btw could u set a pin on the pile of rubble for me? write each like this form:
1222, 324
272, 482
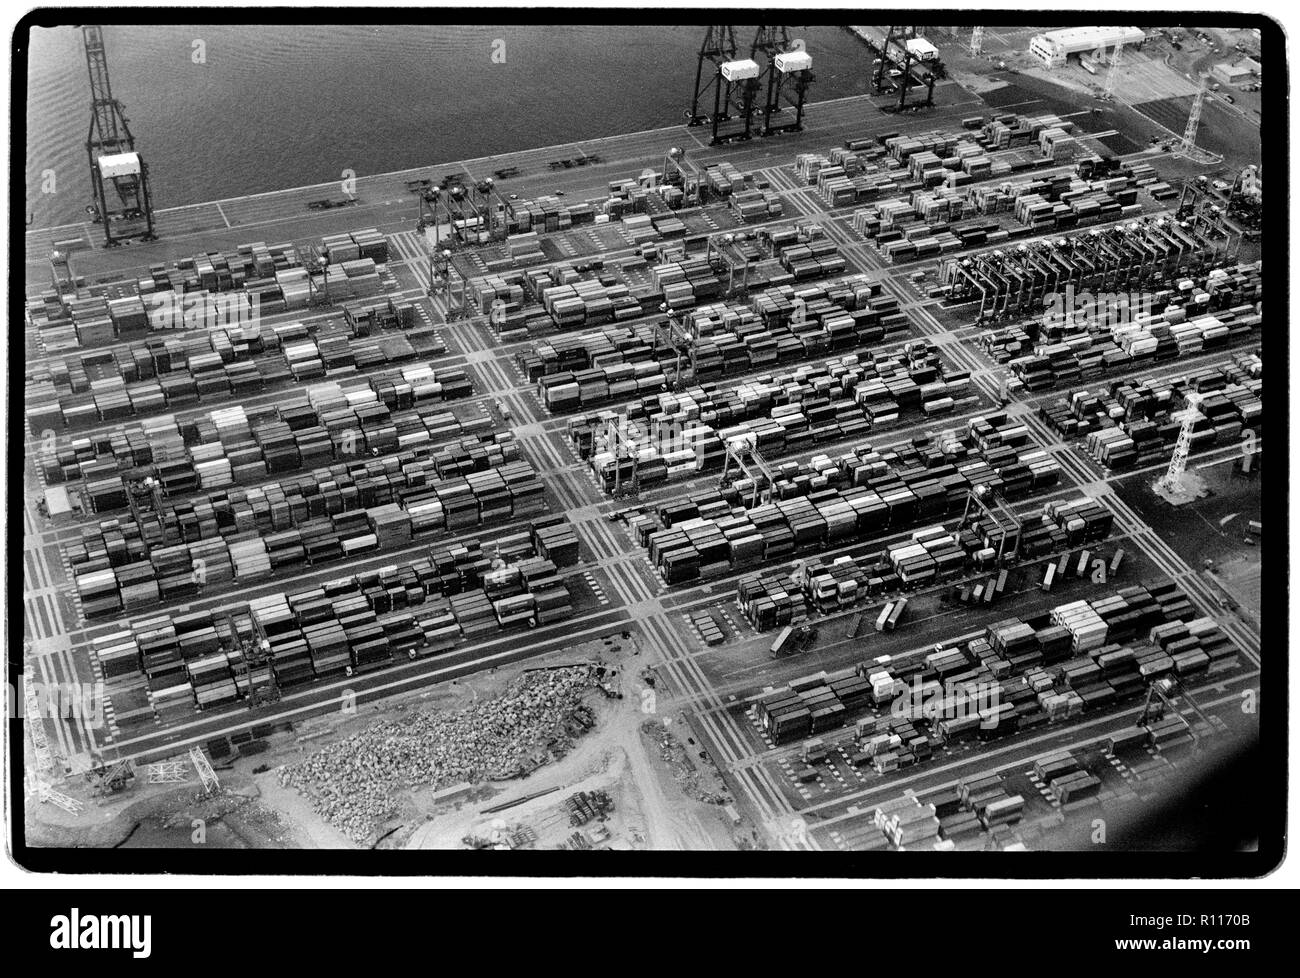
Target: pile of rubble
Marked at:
353, 783
684, 770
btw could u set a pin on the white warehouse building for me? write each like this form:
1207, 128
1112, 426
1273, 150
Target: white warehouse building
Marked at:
1054, 47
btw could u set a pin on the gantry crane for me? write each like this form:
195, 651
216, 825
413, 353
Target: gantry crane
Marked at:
447, 282
912, 70
621, 442
739, 84
116, 169
1204, 212
726, 258
1160, 697
464, 211
678, 173
672, 333
882, 65
718, 48
743, 455
787, 66
1008, 522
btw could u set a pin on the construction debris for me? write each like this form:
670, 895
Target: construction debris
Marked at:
684, 769
353, 783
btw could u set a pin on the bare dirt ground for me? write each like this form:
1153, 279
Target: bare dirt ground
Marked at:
654, 807
657, 794
173, 816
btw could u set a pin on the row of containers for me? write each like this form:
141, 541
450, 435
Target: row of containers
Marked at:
844, 177
625, 201
930, 556
1020, 673
643, 229
335, 420
366, 245
864, 170
624, 197
206, 380
776, 326
334, 354
52, 401
1123, 319
1058, 364
159, 374
957, 178
961, 817
980, 811
1117, 336
165, 667
755, 205
290, 289
167, 495
94, 317
680, 435
626, 209
585, 296
228, 342
806, 253
827, 501
184, 549
931, 223
1138, 422
564, 295
897, 742
1065, 778
1024, 198
350, 280
272, 278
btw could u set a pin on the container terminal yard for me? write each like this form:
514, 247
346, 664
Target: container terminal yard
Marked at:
859, 475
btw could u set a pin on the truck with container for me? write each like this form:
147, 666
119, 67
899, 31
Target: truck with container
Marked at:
792, 639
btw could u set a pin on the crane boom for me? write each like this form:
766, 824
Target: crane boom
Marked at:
1113, 73
110, 147
1194, 118
105, 109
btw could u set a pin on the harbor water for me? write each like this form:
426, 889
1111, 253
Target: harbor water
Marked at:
221, 111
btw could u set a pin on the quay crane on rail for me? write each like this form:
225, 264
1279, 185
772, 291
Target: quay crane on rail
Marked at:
116, 169
909, 60
778, 68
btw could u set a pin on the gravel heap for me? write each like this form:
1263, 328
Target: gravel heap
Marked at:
352, 783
